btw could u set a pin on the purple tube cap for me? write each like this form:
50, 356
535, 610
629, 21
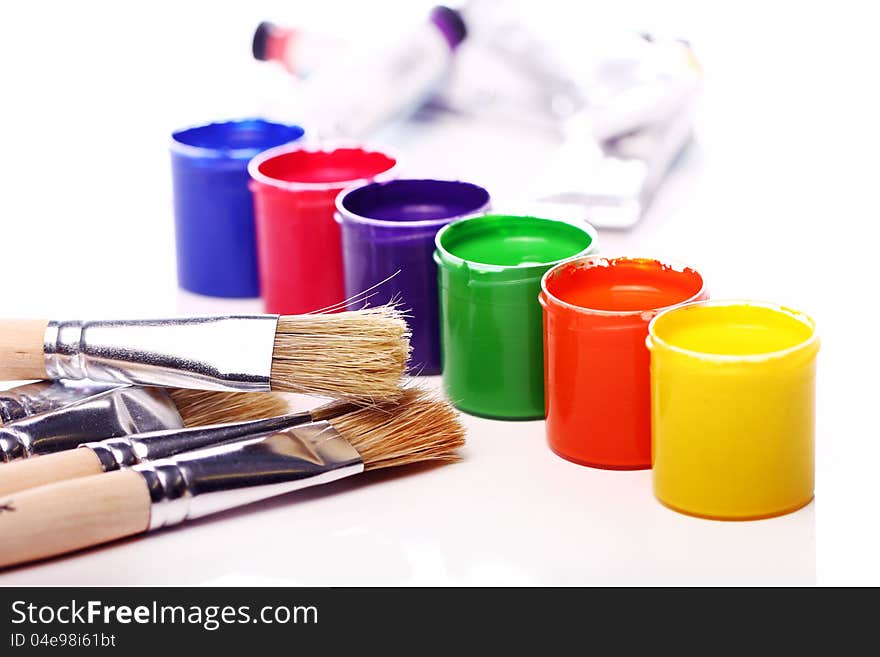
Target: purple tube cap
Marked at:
450, 23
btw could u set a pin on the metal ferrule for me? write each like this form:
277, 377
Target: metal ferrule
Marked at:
232, 353
115, 412
128, 451
227, 476
42, 396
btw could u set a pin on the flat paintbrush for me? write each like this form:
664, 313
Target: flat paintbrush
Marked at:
62, 517
41, 396
125, 410
95, 457
357, 355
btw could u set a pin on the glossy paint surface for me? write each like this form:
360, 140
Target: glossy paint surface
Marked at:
733, 406
298, 240
388, 231
490, 277
596, 314
213, 207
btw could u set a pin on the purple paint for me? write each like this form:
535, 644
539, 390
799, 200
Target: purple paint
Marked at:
389, 227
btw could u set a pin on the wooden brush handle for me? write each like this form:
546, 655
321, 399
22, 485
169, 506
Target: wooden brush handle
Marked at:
48, 469
70, 515
21, 349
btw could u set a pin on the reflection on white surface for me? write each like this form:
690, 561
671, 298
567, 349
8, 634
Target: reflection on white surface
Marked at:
511, 513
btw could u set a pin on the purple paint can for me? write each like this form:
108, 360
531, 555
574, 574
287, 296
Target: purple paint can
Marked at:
389, 227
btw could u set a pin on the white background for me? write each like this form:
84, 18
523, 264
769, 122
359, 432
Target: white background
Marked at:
776, 201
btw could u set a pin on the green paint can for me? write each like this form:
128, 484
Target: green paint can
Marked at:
490, 270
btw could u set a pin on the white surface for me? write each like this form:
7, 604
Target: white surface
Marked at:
777, 201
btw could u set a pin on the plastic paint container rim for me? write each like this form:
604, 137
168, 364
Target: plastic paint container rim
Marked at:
449, 258
653, 341
348, 215
181, 147
665, 264
325, 147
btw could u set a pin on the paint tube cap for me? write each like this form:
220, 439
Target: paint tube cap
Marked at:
262, 35
450, 23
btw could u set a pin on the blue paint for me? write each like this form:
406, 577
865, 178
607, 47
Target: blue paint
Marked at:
213, 207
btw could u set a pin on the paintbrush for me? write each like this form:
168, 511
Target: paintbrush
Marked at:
41, 396
125, 410
95, 457
62, 517
358, 355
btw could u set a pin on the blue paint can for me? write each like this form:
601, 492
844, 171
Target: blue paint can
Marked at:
213, 207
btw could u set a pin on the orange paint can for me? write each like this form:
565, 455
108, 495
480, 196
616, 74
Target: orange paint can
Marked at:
596, 363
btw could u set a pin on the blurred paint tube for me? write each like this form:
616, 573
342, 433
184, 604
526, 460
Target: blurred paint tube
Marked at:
619, 95
607, 82
645, 87
595, 80
301, 52
350, 96
611, 184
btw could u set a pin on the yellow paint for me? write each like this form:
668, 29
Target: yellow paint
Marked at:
732, 409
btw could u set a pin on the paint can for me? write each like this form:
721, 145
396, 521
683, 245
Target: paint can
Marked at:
596, 314
732, 396
213, 207
298, 240
490, 270
388, 231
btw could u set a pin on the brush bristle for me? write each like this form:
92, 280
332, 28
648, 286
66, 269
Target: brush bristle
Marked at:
333, 409
418, 427
356, 355
203, 407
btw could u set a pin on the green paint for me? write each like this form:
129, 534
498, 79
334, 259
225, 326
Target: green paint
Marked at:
514, 241
490, 270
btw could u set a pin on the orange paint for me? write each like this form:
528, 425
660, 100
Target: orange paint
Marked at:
596, 364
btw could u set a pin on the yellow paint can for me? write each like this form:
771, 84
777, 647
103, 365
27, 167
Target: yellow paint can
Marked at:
732, 409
